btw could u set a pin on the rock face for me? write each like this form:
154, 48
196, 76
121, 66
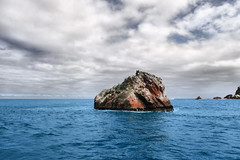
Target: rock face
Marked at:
237, 91
142, 92
217, 98
199, 97
229, 96
236, 96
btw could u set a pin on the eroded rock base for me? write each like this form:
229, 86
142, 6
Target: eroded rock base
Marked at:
157, 109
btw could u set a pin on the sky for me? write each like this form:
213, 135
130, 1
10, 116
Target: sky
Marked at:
76, 48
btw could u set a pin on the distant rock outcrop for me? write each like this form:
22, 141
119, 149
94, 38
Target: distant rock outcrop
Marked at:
229, 96
198, 98
236, 96
217, 98
237, 91
142, 92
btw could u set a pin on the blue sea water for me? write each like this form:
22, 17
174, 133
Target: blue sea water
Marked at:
72, 129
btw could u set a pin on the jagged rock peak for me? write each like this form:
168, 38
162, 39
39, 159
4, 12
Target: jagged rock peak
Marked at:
236, 96
237, 91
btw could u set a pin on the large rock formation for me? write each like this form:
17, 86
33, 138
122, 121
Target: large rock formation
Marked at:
142, 92
236, 96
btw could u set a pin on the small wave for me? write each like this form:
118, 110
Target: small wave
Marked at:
3, 128
27, 125
65, 126
73, 144
60, 145
38, 135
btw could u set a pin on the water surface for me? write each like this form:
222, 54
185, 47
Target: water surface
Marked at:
72, 129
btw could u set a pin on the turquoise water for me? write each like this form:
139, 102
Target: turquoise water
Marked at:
72, 129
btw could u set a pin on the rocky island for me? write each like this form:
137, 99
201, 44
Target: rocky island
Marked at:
236, 96
142, 92
198, 98
217, 97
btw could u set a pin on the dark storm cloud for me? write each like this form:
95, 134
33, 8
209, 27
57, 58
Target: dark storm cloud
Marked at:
117, 38
178, 38
183, 13
197, 35
194, 6
145, 8
132, 23
200, 34
121, 33
219, 2
115, 5
14, 44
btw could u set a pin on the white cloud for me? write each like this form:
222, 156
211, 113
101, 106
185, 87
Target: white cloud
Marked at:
81, 47
212, 19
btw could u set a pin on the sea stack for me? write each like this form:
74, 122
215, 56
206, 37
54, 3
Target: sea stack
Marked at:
142, 92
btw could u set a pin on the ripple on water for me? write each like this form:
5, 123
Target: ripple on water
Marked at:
43, 134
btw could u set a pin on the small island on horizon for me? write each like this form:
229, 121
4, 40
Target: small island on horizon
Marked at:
229, 96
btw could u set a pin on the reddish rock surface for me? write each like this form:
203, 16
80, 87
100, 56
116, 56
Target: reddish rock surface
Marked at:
142, 92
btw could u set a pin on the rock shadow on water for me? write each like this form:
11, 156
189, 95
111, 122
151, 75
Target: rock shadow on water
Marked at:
130, 133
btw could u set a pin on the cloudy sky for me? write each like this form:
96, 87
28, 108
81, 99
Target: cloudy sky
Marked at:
76, 48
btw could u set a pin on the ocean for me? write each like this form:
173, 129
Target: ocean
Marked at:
72, 129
